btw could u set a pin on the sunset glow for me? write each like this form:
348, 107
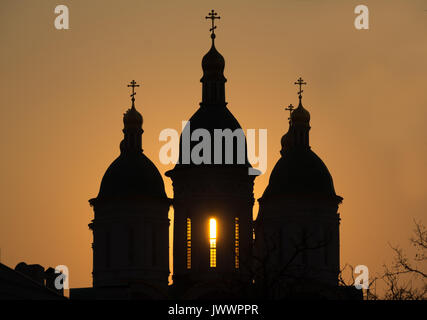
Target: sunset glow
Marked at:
63, 94
212, 229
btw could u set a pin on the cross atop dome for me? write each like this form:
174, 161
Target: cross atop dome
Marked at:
133, 84
290, 108
300, 82
301, 115
213, 91
213, 15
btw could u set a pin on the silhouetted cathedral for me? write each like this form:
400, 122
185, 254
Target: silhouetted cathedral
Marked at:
212, 202
131, 225
297, 226
218, 250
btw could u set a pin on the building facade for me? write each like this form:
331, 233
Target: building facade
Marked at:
131, 226
297, 227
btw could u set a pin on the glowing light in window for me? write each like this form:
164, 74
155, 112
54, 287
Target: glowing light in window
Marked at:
212, 242
188, 243
236, 243
212, 228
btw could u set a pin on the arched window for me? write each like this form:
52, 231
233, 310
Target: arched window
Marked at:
107, 249
154, 245
212, 242
188, 243
131, 247
326, 241
236, 243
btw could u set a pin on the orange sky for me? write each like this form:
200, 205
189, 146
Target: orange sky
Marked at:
63, 93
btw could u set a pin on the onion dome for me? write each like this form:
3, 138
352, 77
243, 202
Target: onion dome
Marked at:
299, 171
300, 114
213, 64
212, 116
132, 117
212, 119
132, 174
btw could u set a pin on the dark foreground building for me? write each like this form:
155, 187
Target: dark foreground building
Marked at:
28, 282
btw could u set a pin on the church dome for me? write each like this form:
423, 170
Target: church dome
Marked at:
300, 171
213, 114
211, 119
132, 117
132, 175
300, 114
213, 64
217, 117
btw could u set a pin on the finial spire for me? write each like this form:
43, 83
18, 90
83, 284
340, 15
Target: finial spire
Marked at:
300, 82
133, 85
290, 108
213, 15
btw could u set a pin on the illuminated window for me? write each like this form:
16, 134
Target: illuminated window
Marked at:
236, 243
188, 243
212, 241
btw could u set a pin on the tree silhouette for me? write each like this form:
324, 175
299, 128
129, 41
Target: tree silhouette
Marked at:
405, 278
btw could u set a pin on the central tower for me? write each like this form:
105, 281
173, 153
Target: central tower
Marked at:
213, 198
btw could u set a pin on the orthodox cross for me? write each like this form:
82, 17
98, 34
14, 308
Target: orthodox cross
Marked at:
213, 15
133, 85
290, 109
300, 83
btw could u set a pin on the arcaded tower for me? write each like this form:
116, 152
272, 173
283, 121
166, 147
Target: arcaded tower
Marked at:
213, 194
